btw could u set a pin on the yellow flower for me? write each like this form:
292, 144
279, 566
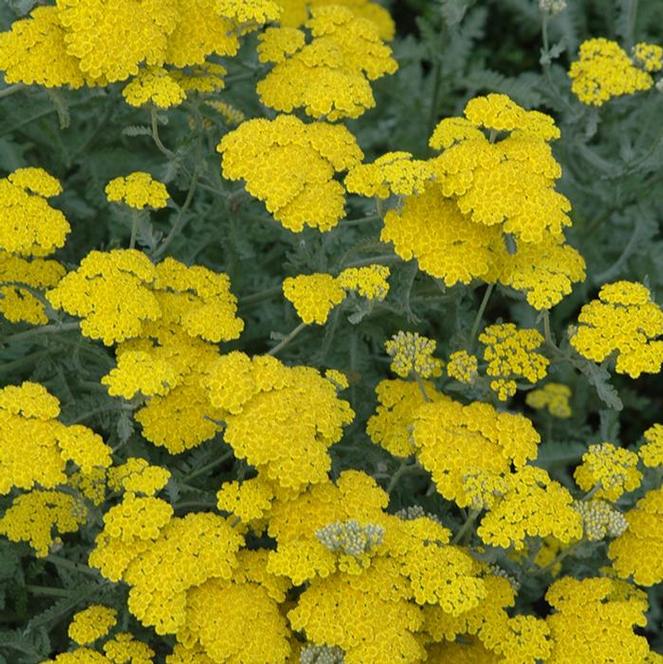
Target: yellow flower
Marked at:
605, 70
32, 517
390, 425
534, 505
455, 442
463, 367
553, 397
34, 52
313, 296
110, 291
249, 500
369, 281
392, 173
651, 452
511, 355
638, 552
231, 115
624, 321
295, 13
123, 648
136, 475
413, 355
445, 242
280, 419
649, 55
290, 166
91, 624
508, 184
28, 225
138, 190
544, 270
21, 278
154, 85
328, 77
613, 469
590, 616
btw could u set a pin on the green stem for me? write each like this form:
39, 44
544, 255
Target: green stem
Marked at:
135, 220
48, 591
259, 297
180, 222
71, 565
21, 362
375, 259
422, 388
12, 89
211, 465
155, 135
287, 339
547, 334
44, 329
403, 469
480, 313
469, 522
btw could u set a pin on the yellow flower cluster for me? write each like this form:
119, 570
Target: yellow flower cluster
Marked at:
29, 230
96, 42
511, 354
455, 442
329, 76
487, 206
610, 468
35, 515
651, 452
369, 574
296, 12
395, 173
413, 355
280, 419
166, 88
137, 476
625, 321
315, 295
137, 190
650, 56
161, 556
120, 293
604, 70
638, 552
398, 401
91, 624
290, 166
35, 447
463, 367
592, 615
553, 397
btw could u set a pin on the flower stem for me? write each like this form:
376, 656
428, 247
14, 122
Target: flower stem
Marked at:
469, 522
44, 329
286, 340
481, 312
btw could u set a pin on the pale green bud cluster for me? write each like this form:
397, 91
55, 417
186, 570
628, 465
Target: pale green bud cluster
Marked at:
600, 519
552, 7
350, 537
321, 655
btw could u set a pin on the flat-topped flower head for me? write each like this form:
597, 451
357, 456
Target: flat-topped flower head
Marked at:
623, 321
512, 354
290, 166
463, 367
329, 76
604, 70
651, 452
29, 226
600, 519
138, 190
553, 397
609, 470
412, 354
394, 173
506, 179
92, 623
313, 296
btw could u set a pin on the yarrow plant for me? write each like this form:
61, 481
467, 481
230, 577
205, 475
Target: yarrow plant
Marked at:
331, 331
